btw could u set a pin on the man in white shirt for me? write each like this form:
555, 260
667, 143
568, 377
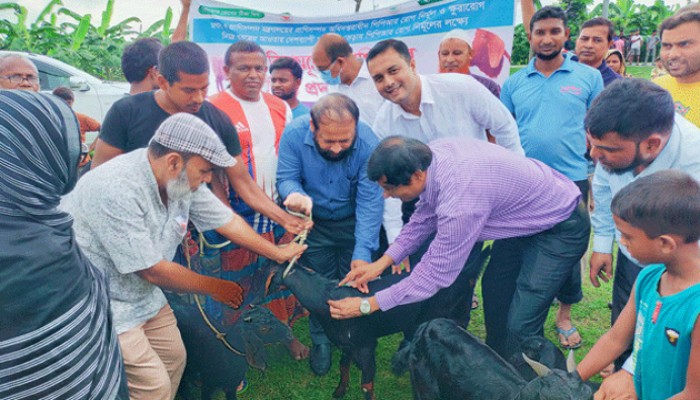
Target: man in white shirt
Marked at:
428, 107
635, 48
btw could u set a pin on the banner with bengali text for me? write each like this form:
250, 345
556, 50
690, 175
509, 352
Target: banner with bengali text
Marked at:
421, 24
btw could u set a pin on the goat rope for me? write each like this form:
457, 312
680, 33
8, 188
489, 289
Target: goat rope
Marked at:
300, 238
219, 335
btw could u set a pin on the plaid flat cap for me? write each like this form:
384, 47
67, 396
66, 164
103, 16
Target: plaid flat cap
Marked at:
186, 133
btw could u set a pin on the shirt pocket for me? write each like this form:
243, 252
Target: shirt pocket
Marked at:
346, 187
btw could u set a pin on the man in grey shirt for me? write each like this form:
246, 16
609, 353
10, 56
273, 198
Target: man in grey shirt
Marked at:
130, 217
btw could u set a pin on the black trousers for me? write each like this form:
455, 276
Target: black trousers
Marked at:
331, 244
523, 277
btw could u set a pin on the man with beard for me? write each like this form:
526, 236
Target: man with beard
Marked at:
680, 53
323, 168
633, 132
285, 77
130, 217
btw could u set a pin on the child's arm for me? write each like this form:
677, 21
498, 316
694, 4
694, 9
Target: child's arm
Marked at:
612, 343
692, 380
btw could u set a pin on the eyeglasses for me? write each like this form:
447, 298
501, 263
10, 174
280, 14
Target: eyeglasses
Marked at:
328, 68
18, 79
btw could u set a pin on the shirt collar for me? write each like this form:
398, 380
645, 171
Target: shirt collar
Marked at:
426, 97
668, 154
567, 65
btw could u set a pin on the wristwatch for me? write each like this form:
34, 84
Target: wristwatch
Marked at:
365, 308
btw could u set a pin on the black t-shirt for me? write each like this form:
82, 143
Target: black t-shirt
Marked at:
132, 121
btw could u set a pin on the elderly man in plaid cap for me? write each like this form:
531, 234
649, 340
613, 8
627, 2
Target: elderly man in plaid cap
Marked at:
130, 217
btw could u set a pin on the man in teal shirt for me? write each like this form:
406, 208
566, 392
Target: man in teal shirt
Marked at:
323, 167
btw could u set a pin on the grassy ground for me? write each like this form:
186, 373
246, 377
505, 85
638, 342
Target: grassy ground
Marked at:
291, 380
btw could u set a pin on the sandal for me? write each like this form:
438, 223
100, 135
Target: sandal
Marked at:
566, 333
242, 387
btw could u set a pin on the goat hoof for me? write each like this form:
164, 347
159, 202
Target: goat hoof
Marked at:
340, 391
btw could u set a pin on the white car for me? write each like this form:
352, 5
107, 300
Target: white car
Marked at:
93, 96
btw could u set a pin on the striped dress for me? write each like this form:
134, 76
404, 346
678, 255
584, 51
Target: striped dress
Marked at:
56, 334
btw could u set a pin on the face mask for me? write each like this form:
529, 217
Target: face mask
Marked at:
328, 77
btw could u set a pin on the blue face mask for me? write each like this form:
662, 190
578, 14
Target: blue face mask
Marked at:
328, 77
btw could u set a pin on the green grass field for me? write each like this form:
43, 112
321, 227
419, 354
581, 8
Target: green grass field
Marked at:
293, 380
286, 379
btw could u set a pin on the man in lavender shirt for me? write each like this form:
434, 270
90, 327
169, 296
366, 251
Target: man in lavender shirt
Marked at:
470, 190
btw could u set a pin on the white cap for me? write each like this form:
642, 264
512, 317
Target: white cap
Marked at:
459, 34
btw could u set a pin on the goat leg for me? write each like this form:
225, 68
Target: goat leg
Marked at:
365, 358
345, 362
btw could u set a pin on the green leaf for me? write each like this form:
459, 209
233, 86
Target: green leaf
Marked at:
106, 18
80, 33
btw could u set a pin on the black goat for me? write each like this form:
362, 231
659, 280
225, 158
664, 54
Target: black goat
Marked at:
539, 349
210, 361
447, 362
357, 337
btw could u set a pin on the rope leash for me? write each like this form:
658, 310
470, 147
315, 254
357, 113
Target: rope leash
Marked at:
220, 336
300, 238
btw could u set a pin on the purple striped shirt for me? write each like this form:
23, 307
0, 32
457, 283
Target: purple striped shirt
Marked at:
474, 191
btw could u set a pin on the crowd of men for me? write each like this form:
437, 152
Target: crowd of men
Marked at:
429, 164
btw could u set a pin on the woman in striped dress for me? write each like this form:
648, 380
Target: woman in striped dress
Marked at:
56, 334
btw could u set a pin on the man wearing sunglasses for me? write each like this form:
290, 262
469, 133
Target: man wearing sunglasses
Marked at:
18, 72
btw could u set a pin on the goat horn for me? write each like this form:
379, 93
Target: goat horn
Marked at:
539, 368
571, 362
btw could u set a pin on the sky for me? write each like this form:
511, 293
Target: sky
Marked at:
156, 8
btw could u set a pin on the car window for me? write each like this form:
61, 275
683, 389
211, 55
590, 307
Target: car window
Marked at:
51, 77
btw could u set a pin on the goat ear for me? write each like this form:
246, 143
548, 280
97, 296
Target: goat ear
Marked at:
539, 368
571, 362
254, 350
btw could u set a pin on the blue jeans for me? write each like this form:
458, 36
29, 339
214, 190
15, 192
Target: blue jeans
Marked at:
523, 277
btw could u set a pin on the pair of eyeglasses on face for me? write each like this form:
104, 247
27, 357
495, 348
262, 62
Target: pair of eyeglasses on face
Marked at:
328, 68
18, 78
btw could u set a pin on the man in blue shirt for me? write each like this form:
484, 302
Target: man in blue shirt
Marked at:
323, 168
633, 132
285, 79
549, 99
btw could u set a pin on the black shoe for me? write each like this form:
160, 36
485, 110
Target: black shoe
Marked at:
320, 359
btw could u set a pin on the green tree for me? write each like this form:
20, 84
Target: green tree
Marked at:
76, 41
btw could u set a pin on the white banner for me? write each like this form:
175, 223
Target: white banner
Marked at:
216, 25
